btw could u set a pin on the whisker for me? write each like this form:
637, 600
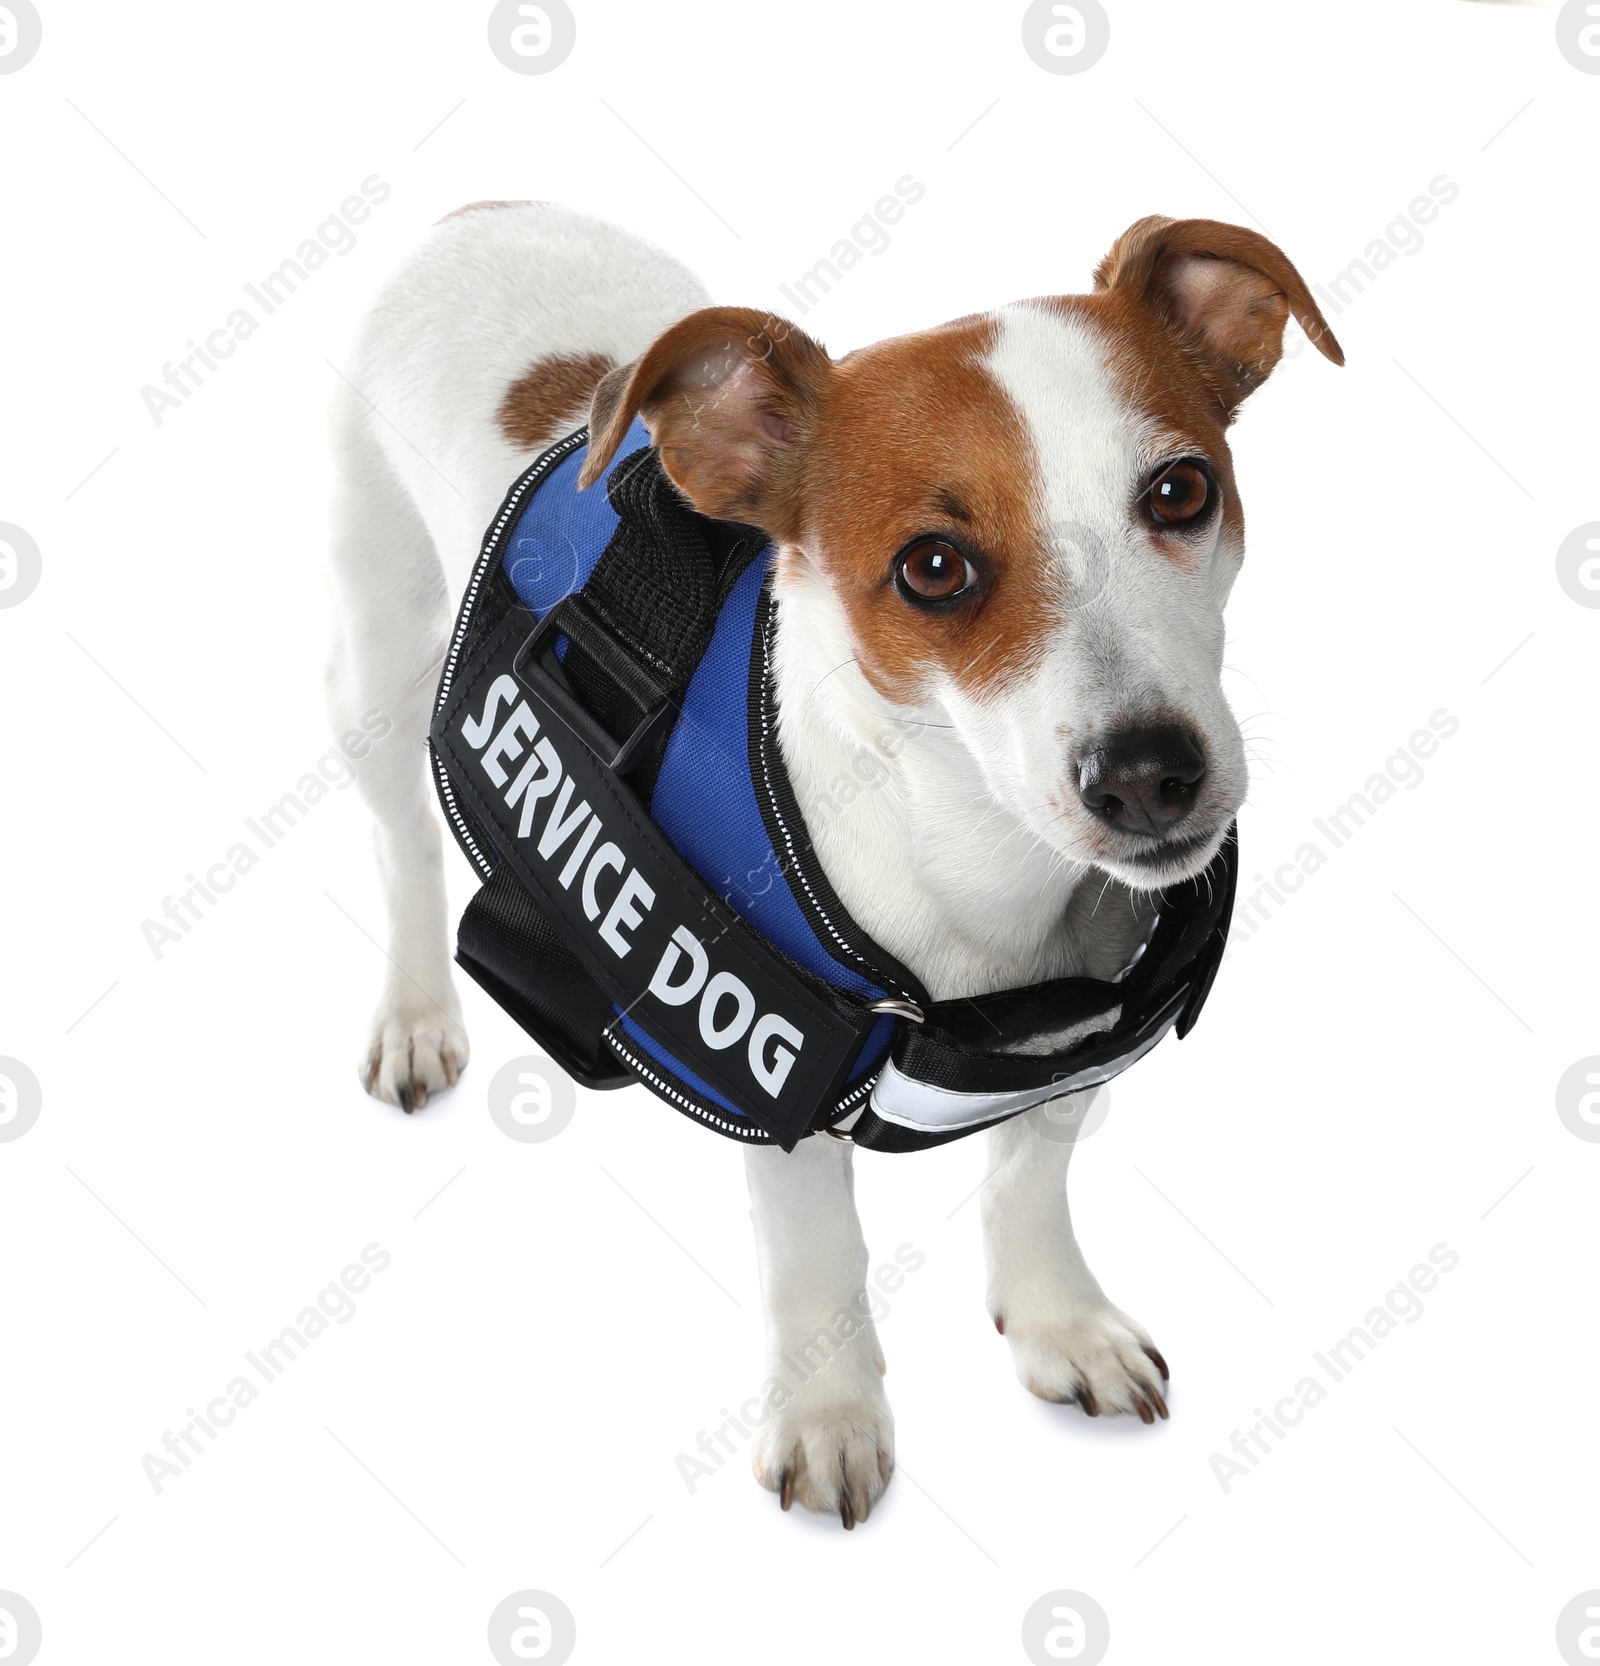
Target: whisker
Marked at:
826, 674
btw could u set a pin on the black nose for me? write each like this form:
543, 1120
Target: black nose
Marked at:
1143, 780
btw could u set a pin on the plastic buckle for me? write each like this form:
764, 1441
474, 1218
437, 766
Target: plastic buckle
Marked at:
538, 669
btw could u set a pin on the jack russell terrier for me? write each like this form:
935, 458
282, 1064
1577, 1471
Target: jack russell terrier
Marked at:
1006, 542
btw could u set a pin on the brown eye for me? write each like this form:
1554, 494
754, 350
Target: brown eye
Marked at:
932, 572
1182, 493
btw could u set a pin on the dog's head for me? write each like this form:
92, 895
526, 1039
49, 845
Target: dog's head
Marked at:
1026, 518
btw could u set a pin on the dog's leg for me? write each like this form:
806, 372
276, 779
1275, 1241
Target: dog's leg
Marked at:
392, 619
828, 1438
1067, 1341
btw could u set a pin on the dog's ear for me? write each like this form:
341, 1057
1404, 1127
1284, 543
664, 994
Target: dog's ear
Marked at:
1224, 291
729, 395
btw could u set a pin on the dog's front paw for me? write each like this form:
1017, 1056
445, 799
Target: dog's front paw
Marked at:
831, 1446
1096, 1356
416, 1048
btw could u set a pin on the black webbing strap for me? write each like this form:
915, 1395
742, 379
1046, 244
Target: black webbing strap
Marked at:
502, 936
641, 624
1002, 1042
1011, 1041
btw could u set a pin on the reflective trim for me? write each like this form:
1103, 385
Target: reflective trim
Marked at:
926, 1109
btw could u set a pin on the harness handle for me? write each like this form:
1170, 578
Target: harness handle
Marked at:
538, 669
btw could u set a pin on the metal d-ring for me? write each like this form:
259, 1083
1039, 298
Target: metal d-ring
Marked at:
908, 1010
899, 1009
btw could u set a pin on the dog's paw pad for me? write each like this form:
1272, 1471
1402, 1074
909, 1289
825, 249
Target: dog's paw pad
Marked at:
1098, 1359
835, 1456
413, 1055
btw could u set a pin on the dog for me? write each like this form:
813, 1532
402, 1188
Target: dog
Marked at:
1009, 540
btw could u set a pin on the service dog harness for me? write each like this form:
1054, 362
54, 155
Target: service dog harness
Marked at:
604, 745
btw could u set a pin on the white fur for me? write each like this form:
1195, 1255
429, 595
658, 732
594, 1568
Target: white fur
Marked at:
1066, 1337
423, 466
1141, 636
965, 856
835, 1437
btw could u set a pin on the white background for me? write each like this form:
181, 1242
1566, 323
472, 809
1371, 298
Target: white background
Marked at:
1372, 1074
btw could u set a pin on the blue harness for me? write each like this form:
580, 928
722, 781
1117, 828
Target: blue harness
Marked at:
613, 656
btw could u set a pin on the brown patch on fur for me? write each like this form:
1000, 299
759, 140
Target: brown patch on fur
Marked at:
550, 398
1193, 314
906, 430
473, 207
845, 464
